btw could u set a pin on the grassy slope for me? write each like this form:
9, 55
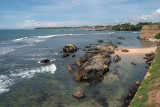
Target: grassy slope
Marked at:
148, 85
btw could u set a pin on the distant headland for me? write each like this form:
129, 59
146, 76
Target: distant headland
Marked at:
119, 27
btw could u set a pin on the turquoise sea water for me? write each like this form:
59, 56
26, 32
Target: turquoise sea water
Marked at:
26, 83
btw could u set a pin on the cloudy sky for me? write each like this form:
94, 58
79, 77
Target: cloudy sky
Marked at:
48, 13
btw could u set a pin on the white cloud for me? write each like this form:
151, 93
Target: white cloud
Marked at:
33, 24
154, 17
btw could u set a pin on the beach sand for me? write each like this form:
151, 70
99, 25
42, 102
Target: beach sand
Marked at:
135, 51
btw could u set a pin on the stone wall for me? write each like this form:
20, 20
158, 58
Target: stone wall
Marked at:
149, 31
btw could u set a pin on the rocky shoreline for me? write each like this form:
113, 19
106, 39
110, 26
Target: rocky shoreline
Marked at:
128, 98
92, 66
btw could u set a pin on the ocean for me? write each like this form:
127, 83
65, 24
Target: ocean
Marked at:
24, 82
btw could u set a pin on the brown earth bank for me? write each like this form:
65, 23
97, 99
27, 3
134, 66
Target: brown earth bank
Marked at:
149, 32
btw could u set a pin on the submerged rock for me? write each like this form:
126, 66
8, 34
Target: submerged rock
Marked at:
73, 55
88, 46
65, 55
70, 48
133, 63
79, 94
69, 68
44, 60
100, 41
121, 38
116, 58
119, 42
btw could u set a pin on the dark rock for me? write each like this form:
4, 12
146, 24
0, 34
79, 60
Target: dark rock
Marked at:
73, 55
124, 50
65, 55
45, 61
70, 48
138, 37
79, 94
93, 69
149, 57
87, 46
131, 94
116, 58
133, 63
119, 42
121, 38
103, 102
100, 41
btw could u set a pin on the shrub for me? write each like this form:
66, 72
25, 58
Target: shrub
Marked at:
157, 36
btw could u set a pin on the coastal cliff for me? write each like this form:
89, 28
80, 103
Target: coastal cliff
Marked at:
149, 31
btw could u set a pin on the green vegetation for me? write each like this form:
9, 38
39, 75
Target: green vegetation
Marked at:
149, 84
129, 27
157, 36
119, 27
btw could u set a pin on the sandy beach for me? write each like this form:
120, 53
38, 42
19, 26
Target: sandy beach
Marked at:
135, 51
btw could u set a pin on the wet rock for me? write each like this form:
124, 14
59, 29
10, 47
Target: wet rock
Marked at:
116, 58
103, 102
138, 83
69, 68
120, 38
88, 47
65, 55
131, 94
79, 94
133, 63
119, 42
70, 48
138, 37
124, 50
73, 55
100, 41
149, 57
44, 60
93, 69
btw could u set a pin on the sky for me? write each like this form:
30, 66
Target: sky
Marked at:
22, 14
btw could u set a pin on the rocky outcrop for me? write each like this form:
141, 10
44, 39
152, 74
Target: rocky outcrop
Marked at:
79, 94
149, 31
70, 48
69, 68
44, 60
116, 58
93, 67
124, 50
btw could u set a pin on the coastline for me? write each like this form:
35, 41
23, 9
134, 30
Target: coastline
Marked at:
149, 91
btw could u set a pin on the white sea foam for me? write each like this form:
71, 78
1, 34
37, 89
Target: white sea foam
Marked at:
28, 41
20, 39
9, 49
8, 80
